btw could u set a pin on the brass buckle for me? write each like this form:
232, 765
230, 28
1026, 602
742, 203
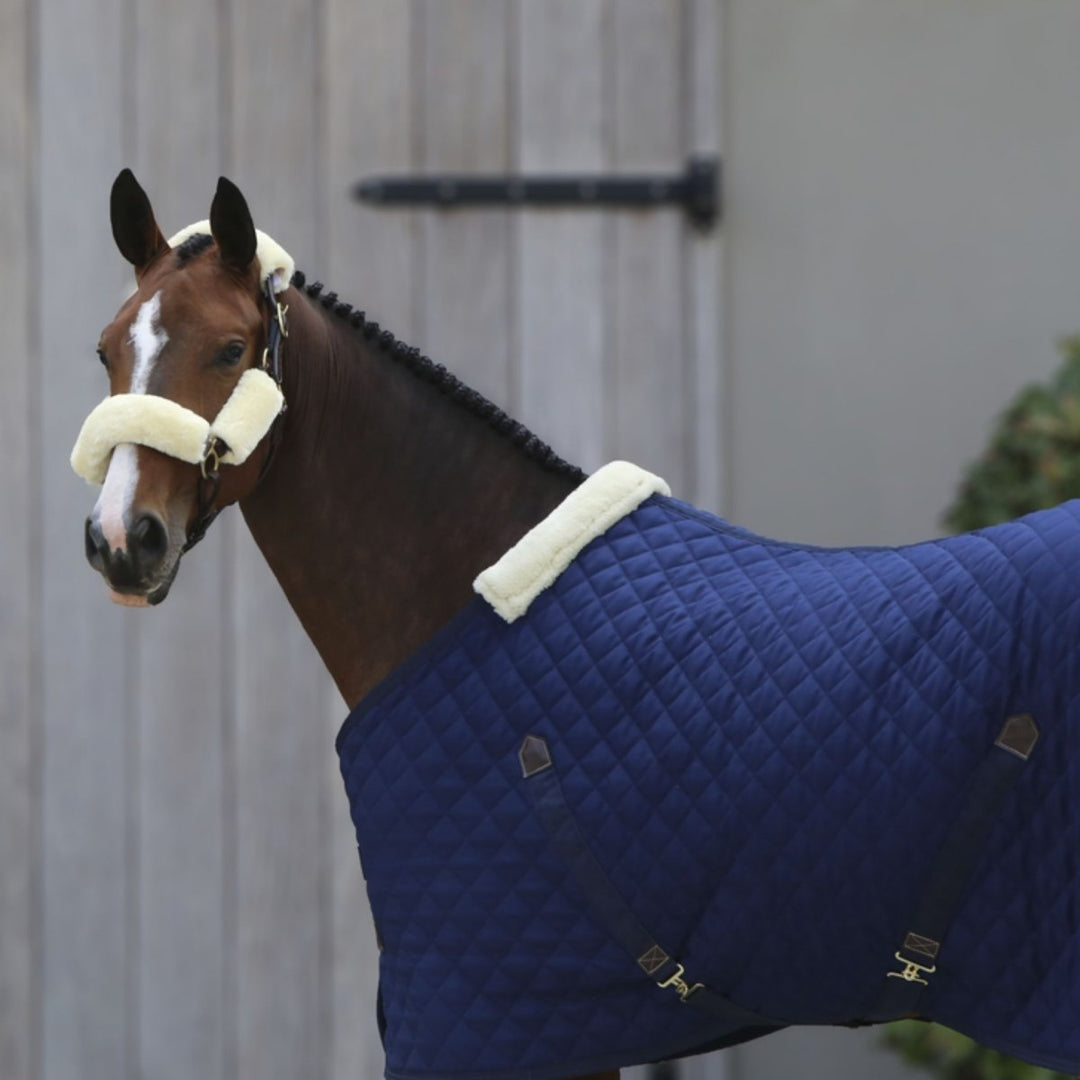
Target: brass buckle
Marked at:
680, 985
282, 311
211, 460
912, 971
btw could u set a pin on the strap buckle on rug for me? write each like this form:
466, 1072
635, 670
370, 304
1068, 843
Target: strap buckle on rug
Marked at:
952, 869
912, 971
605, 900
680, 986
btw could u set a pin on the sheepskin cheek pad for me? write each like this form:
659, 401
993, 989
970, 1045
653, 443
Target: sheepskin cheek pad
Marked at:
161, 424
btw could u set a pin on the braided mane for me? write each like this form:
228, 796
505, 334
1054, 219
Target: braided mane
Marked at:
449, 384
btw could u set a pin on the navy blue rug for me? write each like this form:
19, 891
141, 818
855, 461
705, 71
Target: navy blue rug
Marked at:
710, 784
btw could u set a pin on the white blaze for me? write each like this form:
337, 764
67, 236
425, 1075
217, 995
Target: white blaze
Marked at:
147, 339
116, 495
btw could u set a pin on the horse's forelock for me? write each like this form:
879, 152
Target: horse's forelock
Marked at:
194, 245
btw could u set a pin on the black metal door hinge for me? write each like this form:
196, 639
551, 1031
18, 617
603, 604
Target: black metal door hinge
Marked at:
697, 191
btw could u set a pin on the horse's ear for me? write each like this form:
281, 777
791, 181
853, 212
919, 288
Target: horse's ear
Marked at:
231, 224
133, 226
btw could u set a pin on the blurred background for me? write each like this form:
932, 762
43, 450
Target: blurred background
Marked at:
899, 251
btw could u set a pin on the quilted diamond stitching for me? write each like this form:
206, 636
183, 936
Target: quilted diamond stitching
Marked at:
762, 741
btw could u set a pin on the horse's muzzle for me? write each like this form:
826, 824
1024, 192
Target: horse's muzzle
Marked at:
137, 571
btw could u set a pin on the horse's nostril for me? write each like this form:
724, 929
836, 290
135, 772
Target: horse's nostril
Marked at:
148, 539
96, 547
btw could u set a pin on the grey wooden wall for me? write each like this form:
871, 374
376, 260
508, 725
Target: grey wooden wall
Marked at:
179, 894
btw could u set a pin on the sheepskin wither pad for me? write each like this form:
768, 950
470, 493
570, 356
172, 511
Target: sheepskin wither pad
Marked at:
666, 785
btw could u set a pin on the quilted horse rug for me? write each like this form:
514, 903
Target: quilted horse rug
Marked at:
665, 785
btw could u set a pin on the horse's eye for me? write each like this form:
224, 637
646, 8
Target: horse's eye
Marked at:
231, 355
103, 358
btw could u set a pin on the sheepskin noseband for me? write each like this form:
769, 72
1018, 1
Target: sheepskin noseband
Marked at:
164, 425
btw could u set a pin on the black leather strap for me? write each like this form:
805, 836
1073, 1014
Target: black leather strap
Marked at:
210, 481
914, 964
673, 981
276, 333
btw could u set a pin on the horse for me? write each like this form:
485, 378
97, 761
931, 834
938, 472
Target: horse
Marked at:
629, 782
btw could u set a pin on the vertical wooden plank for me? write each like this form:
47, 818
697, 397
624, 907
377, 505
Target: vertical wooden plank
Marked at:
85, 692
703, 121
704, 264
560, 263
371, 82
280, 737
277, 118
647, 366
179, 999
19, 481
704, 315
466, 298
369, 261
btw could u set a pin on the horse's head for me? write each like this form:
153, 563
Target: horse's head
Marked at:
193, 381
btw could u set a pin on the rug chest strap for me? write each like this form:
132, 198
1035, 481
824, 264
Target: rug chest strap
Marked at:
545, 790
915, 961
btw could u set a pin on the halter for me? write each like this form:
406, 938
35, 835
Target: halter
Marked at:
251, 413
217, 448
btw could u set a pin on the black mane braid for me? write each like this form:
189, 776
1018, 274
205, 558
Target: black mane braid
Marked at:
450, 385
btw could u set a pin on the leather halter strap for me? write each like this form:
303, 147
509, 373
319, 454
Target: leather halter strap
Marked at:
216, 447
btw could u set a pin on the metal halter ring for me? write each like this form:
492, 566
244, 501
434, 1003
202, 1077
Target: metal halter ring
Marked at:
211, 459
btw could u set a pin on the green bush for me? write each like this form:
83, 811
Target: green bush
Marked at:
1031, 462
951, 1056
1033, 459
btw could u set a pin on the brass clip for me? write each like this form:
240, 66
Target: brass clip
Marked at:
911, 971
282, 310
211, 460
680, 985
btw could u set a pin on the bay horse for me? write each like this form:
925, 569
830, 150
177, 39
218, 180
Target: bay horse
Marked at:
377, 442
615, 766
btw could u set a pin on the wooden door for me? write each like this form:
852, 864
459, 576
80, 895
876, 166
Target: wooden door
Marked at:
180, 892
599, 329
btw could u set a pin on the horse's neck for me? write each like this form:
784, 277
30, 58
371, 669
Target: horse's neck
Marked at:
383, 501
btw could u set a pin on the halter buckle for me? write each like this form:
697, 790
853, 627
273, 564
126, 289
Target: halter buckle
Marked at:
282, 311
211, 459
